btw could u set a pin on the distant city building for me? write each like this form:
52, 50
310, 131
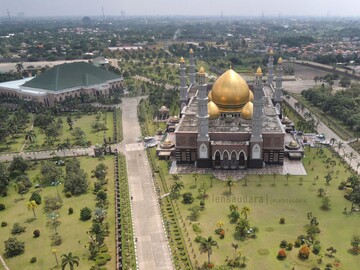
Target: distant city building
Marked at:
62, 81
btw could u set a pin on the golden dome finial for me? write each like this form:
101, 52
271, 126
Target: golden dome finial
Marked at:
201, 70
280, 61
230, 67
259, 72
271, 52
191, 51
182, 60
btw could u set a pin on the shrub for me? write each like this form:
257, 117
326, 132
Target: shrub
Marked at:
17, 229
222, 233
297, 243
56, 240
304, 252
282, 220
283, 243
36, 233
68, 194
85, 214
35, 197
102, 258
70, 210
13, 247
196, 228
4, 224
188, 198
289, 246
52, 203
281, 254
316, 248
33, 259
2, 206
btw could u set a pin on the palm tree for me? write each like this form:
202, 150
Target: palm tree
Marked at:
176, 177
274, 176
206, 246
211, 180
351, 157
233, 207
235, 247
245, 181
287, 178
31, 206
195, 175
19, 67
55, 251
69, 259
340, 146
245, 211
260, 178
332, 141
30, 136
62, 147
229, 182
242, 226
176, 187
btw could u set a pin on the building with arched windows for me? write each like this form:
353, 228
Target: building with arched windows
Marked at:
62, 81
230, 124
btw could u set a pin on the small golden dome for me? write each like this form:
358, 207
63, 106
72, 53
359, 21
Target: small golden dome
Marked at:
230, 92
259, 71
271, 52
191, 51
247, 111
201, 70
293, 144
251, 96
280, 61
210, 96
213, 110
182, 60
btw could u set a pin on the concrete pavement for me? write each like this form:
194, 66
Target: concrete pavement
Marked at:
152, 248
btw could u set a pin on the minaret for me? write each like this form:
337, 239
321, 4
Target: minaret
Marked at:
279, 88
183, 87
203, 140
192, 73
256, 140
270, 65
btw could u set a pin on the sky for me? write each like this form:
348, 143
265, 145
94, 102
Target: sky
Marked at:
47, 8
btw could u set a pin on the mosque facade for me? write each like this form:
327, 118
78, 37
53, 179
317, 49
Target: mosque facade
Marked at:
230, 124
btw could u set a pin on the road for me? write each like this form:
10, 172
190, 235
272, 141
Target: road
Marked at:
329, 133
151, 247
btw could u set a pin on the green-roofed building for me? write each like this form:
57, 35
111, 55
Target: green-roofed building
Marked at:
65, 80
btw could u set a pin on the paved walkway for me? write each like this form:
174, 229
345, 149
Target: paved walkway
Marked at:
152, 248
3, 263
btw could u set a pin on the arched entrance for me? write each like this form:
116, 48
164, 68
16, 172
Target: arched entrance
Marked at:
217, 159
233, 160
242, 161
225, 160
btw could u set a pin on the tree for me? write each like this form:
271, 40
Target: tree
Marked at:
50, 173
355, 242
30, 136
229, 182
76, 179
328, 178
195, 212
274, 177
245, 211
195, 176
340, 146
69, 259
100, 171
54, 251
69, 122
19, 67
325, 204
287, 178
235, 246
260, 178
85, 213
242, 227
13, 247
351, 157
18, 164
176, 187
345, 82
206, 246
4, 180
31, 206
35, 196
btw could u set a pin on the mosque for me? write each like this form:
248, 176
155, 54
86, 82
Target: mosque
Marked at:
230, 124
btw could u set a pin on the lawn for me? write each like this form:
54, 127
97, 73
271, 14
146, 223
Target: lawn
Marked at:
85, 123
72, 230
268, 203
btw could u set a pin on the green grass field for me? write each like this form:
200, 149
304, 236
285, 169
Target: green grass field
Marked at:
72, 230
268, 204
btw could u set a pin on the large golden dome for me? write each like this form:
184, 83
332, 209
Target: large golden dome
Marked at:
230, 92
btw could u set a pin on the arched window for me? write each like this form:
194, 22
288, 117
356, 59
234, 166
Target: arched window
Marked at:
217, 159
242, 163
225, 159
